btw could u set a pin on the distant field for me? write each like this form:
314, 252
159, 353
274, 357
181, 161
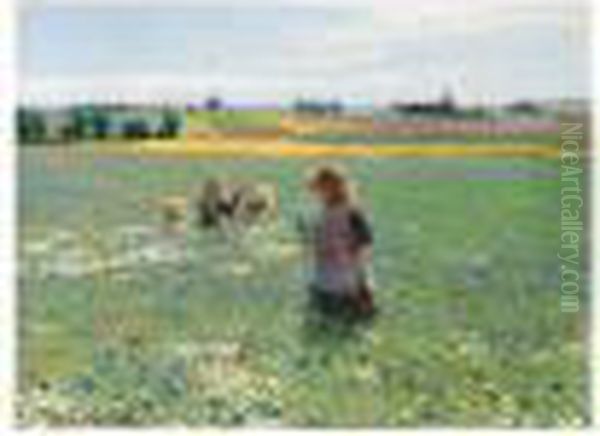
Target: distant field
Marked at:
224, 146
233, 119
427, 139
353, 130
122, 324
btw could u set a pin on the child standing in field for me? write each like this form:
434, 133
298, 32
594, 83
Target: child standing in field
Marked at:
340, 241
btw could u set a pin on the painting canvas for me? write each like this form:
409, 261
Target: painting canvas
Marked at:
303, 214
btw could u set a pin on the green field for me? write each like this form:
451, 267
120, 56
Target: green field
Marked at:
432, 138
234, 119
206, 330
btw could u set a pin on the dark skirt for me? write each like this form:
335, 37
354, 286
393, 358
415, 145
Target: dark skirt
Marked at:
359, 304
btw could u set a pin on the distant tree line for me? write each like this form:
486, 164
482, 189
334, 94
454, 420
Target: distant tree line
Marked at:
31, 126
92, 122
315, 107
446, 107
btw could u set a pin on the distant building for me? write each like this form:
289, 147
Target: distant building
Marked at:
524, 107
214, 104
313, 107
445, 107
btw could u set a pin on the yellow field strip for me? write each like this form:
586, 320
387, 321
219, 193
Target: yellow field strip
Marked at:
215, 149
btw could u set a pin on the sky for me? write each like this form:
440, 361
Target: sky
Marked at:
267, 51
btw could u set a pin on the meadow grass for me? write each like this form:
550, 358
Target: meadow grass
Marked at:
470, 331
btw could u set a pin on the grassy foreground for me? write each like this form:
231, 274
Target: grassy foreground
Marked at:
204, 331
